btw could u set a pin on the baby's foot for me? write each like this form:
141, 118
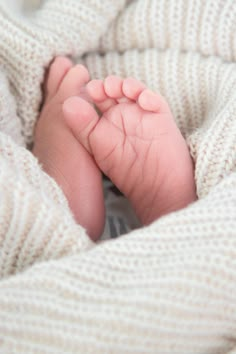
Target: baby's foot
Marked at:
137, 144
62, 156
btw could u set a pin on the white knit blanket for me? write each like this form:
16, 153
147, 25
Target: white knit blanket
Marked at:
166, 288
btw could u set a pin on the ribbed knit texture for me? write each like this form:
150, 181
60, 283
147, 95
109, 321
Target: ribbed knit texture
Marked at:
9, 121
167, 288
35, 221
28, 44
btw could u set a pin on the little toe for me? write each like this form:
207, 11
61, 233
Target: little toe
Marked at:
74, 82
55, 75
81, 118
96, 90
152, 102
132, 88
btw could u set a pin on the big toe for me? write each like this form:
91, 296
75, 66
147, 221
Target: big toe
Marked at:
81, 118
57, 71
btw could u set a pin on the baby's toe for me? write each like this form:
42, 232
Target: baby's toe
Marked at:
96, 91
74, 82
153, 102
132, 88
56, 73
113, 86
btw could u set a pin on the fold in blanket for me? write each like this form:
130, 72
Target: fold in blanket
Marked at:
166, 288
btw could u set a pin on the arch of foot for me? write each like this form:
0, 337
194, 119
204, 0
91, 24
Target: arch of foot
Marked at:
199, 91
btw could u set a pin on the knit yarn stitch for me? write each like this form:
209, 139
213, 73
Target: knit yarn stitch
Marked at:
168, 288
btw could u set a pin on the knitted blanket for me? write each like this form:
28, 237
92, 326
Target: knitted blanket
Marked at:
166, 288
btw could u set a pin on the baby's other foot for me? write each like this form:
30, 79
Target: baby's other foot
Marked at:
137, 144
61, 155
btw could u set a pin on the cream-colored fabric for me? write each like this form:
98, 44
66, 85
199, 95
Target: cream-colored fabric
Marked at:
29, 43
167, 288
